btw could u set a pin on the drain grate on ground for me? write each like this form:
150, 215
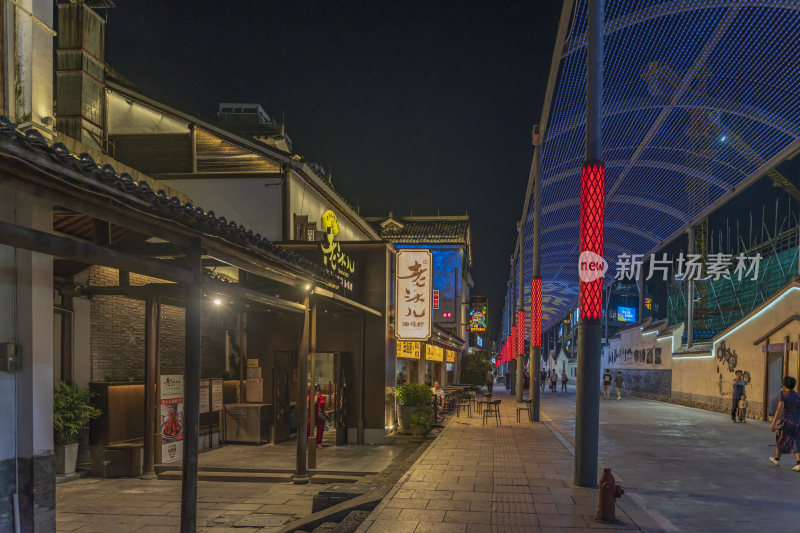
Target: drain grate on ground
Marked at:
263, 520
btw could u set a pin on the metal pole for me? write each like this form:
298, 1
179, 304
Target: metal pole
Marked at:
536, 351
689, 295
301, 473
587, 408
191, 396
150, 336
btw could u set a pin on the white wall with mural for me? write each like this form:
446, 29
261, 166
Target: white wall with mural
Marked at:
642, 348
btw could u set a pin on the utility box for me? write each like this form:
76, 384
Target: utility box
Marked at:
9, 357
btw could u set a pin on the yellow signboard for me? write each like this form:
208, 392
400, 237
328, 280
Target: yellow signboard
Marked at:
450, 356
408, 350
434, 353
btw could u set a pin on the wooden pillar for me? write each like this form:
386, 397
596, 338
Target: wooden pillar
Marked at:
360, 372
191, 396
301, 472
312, 352
150, 344
765, 395
786, 356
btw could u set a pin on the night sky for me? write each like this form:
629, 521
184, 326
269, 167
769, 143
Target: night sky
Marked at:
422, 107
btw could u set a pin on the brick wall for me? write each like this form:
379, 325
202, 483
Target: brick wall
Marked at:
117, 334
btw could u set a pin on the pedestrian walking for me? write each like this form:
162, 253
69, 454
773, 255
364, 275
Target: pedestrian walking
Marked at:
564, 380
507, 380
786, 424
317, 406
741, 409
542, 378
738, 392
489, 381
619, 384
553, 380
606, 383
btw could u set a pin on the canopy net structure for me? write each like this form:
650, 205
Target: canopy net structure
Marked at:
700, 99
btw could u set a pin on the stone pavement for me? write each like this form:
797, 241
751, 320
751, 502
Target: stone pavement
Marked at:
694, 467
127, 505
507, 478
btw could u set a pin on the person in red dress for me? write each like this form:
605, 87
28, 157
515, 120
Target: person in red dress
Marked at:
318, 402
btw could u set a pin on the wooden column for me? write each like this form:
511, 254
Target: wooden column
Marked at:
191, 396
360, 373
765, 395
301, 472
312, 442
150, 346
786, 356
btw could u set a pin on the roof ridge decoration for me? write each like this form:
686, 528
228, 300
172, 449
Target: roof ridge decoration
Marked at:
158, 202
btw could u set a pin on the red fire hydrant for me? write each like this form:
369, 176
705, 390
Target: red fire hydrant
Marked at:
609, 492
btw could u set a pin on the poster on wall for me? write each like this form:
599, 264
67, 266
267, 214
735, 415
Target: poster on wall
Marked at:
205, 395
255, 386
413, 298
171, 401
216, 395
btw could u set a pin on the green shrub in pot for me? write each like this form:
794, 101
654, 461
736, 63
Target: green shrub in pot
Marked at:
412, 397
71, 415
421, 423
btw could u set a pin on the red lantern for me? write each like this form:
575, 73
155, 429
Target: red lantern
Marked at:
520, 332
536, 312
592, 213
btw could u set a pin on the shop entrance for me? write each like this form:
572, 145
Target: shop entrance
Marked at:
774, 379
329, 375
280, 397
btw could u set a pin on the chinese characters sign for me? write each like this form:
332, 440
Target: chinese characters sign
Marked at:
408, 350
171, 418
332, 256
413, 299
450, 356
434, 353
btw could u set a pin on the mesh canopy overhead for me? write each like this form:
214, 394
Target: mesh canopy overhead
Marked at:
699, 99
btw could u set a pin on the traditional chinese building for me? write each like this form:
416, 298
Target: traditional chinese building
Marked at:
447, 238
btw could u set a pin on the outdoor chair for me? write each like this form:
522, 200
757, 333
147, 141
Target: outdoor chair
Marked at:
492, 407
464, 403
526, 407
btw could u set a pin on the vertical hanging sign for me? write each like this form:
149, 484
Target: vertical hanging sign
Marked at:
414, 281
536, 312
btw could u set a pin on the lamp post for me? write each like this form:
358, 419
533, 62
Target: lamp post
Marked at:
590, 263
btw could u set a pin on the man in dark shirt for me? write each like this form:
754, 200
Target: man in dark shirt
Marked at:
738, 392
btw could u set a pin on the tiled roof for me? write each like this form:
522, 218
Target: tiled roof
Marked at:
106, 180
428, 230
697, 348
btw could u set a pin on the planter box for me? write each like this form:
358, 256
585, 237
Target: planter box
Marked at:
66, 458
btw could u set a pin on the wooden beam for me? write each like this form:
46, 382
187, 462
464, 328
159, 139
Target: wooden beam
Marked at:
152, 249
46, 243
230, 175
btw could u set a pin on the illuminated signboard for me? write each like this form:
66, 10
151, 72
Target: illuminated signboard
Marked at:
447, 314
450, 356
414, 295
626, 314
436, 298
332, 256
648, 303
479, 341
408, 350
434, 353
478, 314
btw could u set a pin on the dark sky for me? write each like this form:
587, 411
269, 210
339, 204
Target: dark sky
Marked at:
422, 106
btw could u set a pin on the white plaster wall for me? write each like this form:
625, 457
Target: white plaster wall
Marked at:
620, 352
708, 376
252, 203
303, 200
133, 118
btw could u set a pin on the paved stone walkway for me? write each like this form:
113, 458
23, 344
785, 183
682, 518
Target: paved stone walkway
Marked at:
507, 478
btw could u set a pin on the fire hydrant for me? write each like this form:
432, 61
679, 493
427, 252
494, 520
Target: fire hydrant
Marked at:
609, 492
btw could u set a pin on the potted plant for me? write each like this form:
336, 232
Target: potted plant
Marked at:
421, 423
71, 414
412, 397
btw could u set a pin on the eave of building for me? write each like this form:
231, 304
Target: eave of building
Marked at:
301, 168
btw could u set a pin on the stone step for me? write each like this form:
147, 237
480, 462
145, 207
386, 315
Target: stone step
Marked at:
263, 477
